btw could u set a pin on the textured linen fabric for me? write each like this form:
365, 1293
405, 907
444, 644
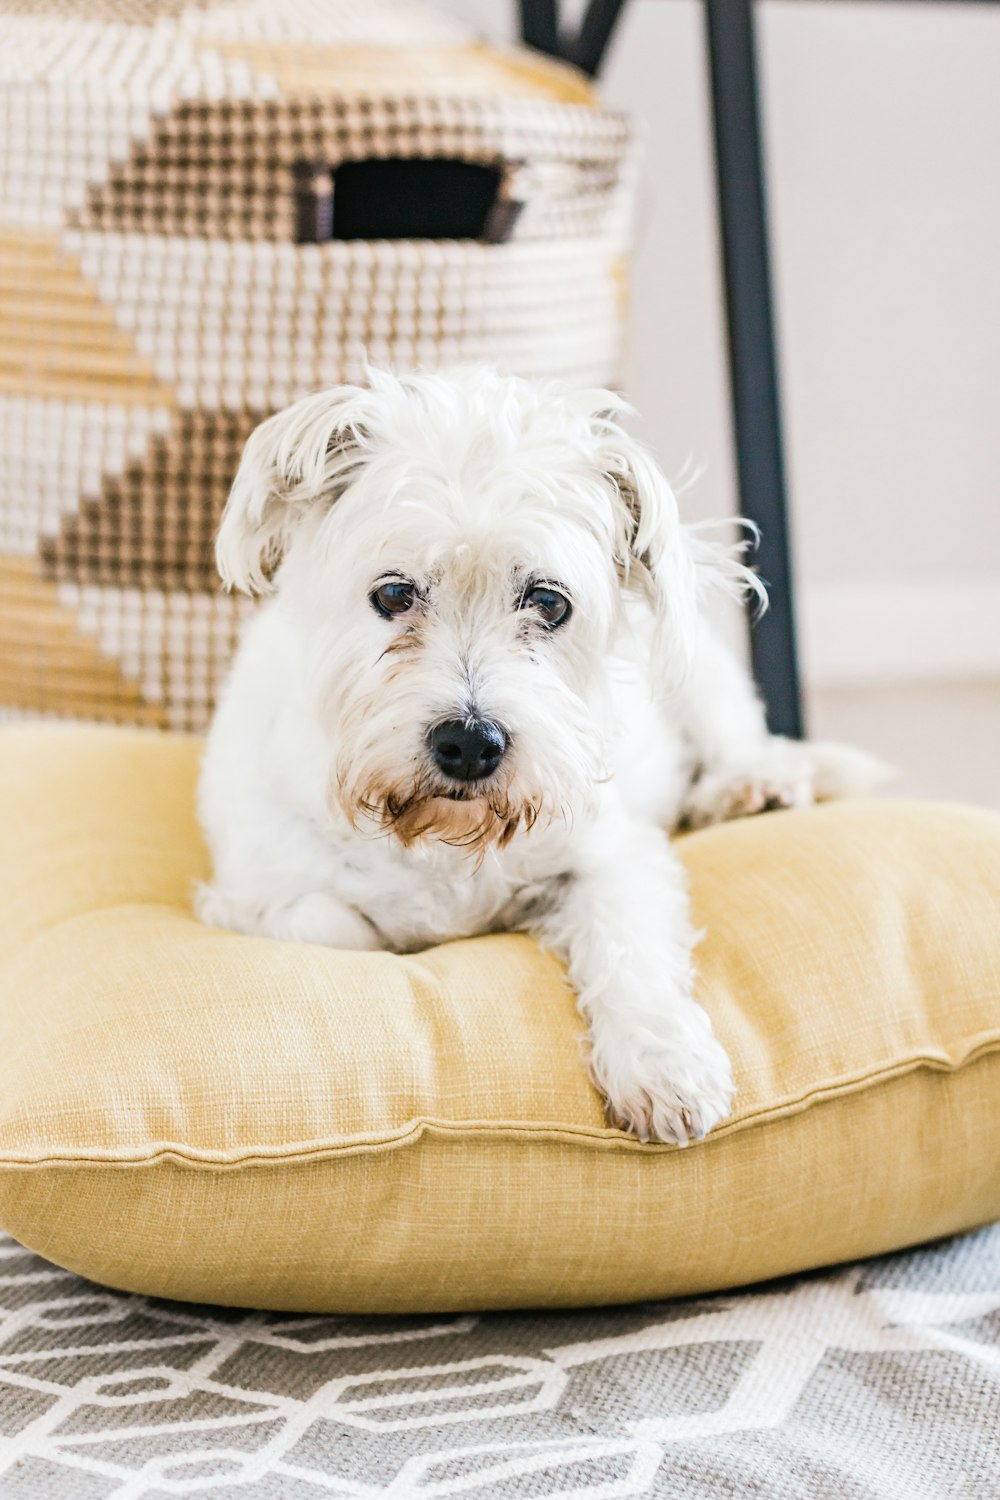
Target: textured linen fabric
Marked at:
206, 1116
878, 1381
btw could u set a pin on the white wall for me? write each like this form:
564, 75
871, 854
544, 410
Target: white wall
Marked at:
883, 144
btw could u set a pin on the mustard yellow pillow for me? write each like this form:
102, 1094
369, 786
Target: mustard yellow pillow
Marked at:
200, 1115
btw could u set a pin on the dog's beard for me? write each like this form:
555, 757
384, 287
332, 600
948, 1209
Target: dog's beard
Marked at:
551, 777
476, 823
476, 819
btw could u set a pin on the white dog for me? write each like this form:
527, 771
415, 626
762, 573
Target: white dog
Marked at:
480, 693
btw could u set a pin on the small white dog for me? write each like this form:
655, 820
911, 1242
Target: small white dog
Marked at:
481, 692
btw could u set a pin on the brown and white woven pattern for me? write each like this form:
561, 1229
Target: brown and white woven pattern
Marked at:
154, 304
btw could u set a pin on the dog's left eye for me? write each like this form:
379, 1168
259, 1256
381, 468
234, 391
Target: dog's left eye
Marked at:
394, 597
554, 608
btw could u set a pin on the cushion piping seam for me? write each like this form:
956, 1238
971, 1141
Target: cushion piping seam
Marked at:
599, 1137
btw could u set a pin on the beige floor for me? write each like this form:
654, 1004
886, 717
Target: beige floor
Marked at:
945, 739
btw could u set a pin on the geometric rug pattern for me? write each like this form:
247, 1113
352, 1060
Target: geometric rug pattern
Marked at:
877, 1381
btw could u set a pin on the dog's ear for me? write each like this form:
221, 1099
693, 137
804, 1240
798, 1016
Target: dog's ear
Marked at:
669, 563
652, 549
299, 459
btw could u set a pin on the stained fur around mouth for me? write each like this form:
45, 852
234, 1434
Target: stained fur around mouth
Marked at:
474, 818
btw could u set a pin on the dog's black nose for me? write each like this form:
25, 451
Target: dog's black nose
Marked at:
467, 749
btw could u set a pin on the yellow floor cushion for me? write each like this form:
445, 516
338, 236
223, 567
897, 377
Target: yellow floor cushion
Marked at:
200, 1115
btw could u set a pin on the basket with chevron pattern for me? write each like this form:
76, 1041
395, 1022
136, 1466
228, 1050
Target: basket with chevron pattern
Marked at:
211, 207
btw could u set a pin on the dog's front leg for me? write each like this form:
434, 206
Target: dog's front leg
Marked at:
620, 922
290, 916
741, 769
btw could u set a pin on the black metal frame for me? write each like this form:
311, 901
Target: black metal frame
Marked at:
540, 25
753, 361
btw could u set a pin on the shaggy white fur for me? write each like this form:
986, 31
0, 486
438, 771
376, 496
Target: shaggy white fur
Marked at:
480, 691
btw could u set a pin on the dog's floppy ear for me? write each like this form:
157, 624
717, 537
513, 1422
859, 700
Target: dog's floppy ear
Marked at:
652, 550
300, 458
667, 562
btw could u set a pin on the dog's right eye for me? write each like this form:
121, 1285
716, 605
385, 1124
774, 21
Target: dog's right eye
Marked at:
394, 597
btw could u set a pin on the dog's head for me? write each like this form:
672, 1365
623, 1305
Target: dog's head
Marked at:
459, 549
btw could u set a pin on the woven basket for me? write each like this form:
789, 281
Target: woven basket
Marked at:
162, 163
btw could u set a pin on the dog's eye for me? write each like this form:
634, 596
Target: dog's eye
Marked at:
394, 597
553, 607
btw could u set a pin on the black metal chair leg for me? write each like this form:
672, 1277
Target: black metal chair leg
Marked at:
588, 47
540, 28
752, 356
540, 25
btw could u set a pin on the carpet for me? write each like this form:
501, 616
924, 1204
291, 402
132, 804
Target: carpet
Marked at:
874, 1380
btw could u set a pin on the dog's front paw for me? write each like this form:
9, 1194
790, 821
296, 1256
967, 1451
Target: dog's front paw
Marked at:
674, 1094
780, 773
315, 917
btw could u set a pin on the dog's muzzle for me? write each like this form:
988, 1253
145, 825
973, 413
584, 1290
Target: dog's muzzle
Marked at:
467, 749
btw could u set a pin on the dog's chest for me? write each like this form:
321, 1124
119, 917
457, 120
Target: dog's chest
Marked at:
418, 897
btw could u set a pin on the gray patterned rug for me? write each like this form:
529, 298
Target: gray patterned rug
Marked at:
875, 1380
